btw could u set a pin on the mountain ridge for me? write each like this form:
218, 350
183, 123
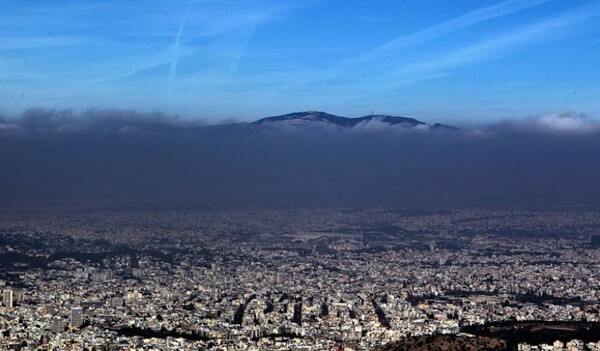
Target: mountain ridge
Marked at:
308, 118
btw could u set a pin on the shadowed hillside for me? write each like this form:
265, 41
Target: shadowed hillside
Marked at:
445, 343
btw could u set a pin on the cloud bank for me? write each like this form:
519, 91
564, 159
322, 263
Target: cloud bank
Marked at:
38, 122
564, 123
544, 161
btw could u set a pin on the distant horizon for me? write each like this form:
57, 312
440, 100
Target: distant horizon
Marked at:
204, 119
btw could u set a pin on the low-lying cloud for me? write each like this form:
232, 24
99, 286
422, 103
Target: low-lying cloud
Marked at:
544, 161
563, 123
47, 122
43, 122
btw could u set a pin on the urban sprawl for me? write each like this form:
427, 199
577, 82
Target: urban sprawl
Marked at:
87, 277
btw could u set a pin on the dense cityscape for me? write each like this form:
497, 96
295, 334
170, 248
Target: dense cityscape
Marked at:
300, 175
131, 277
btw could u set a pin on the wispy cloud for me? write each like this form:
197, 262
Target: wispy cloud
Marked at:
346, 83
500, 45
203, 23
554, 123
134, 65
401, 44
464, 21
175, 62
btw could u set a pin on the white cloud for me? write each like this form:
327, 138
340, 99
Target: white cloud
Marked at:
565, 123
555, 123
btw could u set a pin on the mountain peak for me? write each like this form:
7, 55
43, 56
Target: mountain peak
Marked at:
306, 116
324, 119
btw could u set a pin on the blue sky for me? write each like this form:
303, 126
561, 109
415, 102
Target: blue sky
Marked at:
436, 60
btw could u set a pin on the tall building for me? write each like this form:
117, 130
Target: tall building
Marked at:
76, 317
7, 298
58, 325
20, 296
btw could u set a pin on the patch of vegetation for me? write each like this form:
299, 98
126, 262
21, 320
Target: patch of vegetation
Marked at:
445, 343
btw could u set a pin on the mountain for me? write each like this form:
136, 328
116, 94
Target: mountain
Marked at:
311, 119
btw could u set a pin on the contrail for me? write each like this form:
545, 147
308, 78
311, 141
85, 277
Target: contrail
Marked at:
175, 62
462, 22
